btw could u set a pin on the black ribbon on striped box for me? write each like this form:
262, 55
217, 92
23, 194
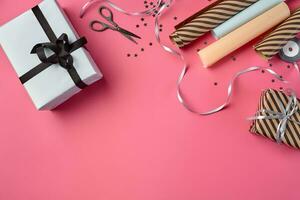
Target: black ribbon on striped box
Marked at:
278, 118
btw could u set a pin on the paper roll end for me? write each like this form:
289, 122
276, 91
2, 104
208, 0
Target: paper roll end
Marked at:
262, 55
174, 37
214, 34
203, 61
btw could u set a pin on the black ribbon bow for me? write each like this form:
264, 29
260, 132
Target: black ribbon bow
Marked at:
59, 50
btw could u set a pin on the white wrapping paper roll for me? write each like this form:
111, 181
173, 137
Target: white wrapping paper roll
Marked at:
241, 36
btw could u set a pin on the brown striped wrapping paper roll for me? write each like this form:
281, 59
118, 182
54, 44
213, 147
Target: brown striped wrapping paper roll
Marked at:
270, 100
272, 43
244, 34
208, 20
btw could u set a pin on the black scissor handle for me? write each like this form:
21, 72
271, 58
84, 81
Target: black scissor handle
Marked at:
107, 14
99, 26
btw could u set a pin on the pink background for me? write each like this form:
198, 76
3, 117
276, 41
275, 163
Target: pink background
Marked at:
127, 137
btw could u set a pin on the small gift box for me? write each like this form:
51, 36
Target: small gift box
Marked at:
278, 118
47, 55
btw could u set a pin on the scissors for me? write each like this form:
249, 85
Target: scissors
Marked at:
107, 14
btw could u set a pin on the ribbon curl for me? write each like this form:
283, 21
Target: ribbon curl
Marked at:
284, 116
229, 90
150, 11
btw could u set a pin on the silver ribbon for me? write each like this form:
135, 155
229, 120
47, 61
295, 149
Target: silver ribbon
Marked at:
297, 67
150, 11
229, 90
160, 7
284, 116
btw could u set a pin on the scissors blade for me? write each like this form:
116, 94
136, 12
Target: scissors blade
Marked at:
128, 37
129, 33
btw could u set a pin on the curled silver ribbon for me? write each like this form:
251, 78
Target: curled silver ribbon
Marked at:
160, 7
229, 90
284, 116
150, 11
297, 67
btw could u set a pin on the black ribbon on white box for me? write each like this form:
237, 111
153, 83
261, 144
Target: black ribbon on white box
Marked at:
61, 49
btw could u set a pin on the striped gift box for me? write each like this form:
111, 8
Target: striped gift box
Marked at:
271, 100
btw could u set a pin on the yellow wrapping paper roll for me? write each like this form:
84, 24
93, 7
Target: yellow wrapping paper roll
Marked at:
241, 36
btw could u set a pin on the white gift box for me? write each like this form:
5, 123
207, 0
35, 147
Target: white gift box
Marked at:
54, 85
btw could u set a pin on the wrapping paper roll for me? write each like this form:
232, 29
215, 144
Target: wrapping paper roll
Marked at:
234, 40
208, 20
243, 17
286, 31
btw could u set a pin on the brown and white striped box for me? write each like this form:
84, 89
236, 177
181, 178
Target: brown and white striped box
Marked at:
268, 127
